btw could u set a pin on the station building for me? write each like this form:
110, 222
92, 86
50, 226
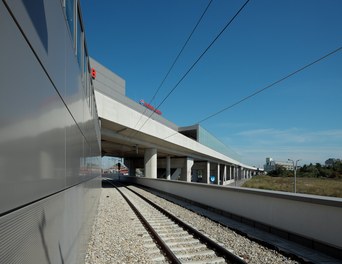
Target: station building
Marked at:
272, 165
198, 157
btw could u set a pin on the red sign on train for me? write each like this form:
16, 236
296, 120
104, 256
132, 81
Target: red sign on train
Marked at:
93, 73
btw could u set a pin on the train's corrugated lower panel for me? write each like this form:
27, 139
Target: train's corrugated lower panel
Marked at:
49, 154
53, 230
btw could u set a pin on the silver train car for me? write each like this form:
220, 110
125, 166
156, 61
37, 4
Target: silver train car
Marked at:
50, 148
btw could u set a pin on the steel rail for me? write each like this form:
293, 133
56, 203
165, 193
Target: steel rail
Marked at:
220, 250
168, 252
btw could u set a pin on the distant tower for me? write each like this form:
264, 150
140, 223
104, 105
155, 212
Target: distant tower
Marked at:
270, 165
269, 161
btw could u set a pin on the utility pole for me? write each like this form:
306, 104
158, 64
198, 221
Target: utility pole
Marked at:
295, 173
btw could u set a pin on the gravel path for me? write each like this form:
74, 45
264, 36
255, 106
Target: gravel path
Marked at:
117, 235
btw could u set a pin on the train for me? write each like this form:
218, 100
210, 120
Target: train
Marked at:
50, 138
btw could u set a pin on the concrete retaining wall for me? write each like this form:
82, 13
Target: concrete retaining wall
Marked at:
313, 219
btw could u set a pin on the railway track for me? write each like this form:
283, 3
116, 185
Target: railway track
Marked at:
178, 241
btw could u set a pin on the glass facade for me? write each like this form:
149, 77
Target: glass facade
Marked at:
207, 139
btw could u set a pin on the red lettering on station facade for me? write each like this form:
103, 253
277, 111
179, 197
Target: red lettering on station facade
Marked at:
142, 102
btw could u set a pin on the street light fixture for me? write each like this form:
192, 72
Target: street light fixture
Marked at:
295, 172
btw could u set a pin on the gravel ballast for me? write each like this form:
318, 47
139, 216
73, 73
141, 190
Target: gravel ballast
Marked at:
249, 250
119, 237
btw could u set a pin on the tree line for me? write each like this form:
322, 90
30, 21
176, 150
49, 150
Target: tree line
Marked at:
312, 170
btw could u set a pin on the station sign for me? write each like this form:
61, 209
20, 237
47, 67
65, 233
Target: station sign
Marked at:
147, 105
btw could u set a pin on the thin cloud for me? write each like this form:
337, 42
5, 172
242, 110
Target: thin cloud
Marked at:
234, 125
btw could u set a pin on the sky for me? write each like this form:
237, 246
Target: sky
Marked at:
299, 118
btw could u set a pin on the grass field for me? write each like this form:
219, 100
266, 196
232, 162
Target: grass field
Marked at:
317, 186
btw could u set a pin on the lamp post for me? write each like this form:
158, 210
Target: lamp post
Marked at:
295, 172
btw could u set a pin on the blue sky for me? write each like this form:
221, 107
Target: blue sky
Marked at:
300, 118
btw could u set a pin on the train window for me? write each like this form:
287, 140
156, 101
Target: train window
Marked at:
91, 107
86, 78
69, 12
90, 87
79, 41
85, 62
84, 57
90, 92
84, 71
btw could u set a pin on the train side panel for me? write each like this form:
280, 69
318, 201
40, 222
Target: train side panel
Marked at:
49, 140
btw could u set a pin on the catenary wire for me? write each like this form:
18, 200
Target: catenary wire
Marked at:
266, 87
271, 85
175, 60
194, 64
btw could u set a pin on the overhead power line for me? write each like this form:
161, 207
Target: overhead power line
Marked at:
271, 85
199, 58
267, 87
176, 59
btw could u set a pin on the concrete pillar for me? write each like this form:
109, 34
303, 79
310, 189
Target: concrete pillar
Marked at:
224, 174
168, 167
131, 165
150, 159
132, 169
207, 173
218, 174
186, 169
188, 166
230, 172
237, 173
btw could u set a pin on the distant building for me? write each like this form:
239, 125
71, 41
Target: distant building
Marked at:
331, 161
272, 165
117, 168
